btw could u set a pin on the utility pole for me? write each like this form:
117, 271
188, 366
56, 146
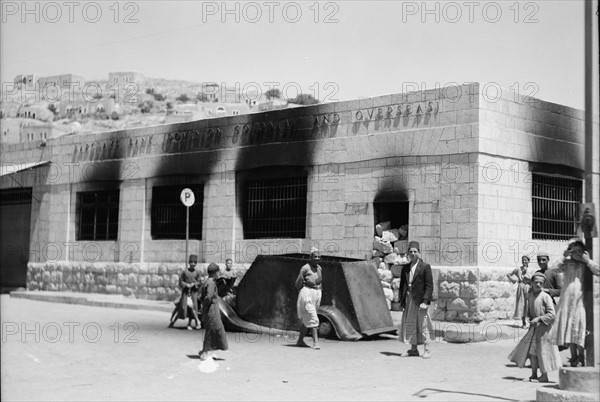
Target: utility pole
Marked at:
588, 288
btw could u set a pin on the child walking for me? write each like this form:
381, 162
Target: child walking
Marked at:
537, 343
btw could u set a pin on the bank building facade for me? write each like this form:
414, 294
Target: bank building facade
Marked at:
478, 181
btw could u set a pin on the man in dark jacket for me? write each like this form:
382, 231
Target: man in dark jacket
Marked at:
416, 291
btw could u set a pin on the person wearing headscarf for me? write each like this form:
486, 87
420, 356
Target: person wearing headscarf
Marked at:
416, 293
537, 343
521, 276
570, 327
215, 337
187, 305
309, 284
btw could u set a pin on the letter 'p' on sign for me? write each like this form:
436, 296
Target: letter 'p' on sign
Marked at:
187, 197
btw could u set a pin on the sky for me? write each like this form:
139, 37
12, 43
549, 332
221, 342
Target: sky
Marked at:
334, 50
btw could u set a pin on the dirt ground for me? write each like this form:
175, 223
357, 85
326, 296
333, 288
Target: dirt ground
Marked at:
70, 352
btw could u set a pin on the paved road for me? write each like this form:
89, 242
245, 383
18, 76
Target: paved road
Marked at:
94, 353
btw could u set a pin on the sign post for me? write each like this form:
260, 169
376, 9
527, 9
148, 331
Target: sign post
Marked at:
188, 199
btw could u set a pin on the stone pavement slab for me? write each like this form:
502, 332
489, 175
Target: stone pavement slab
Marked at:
70, 352
95, 299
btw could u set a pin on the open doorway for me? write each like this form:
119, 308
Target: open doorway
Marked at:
395, 212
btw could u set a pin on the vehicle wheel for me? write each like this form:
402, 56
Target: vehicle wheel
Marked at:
326, 329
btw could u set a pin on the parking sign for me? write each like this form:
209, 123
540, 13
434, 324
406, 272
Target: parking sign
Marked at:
187, 197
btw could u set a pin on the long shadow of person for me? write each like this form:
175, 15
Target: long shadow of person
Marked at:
391, 354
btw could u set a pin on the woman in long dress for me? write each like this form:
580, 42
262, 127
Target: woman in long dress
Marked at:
215, 337
523, 280
570, 326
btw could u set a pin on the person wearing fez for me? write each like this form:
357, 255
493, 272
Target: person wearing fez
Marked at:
187, 306
570, 326
537, 342
308, 283
416, 291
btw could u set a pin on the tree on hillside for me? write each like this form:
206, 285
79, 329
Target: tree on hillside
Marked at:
183, 98
201, 97
273, 93
146, 106
304, 99
52, 108
158, 97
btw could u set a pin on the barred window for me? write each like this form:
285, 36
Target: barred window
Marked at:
15, 196
168, 213
555, 207
275, 208
98, 215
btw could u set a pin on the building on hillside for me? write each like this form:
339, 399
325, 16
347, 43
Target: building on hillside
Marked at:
11, 130
25, 81
77, 108
36, 131
204, 110
62, 81
23, 130
32, 88
36, 111
213, 92
126, 86
9, 109
477, 182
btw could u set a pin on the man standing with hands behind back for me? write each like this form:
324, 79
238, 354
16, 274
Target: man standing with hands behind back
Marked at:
416, 291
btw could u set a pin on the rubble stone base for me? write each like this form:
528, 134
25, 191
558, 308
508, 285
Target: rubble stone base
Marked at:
464, 294
154, 281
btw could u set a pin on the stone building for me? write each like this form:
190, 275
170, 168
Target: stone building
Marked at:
36, 131
126, 86
83, 107
205, 110
64, 81
478, 181
25, 80
36, 111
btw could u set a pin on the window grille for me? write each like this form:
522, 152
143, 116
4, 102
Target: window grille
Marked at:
275, 208
15, 196
98, 214
168, 213
555, 207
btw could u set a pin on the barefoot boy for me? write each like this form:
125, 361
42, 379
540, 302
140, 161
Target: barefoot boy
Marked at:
537, 342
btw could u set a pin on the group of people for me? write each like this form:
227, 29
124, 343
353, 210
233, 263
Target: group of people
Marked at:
552, 328
199, 302
416, 294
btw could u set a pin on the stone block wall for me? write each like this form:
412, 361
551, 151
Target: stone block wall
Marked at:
465, 294
472, 294
154, 281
